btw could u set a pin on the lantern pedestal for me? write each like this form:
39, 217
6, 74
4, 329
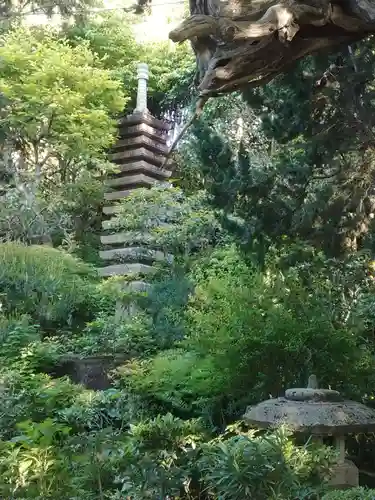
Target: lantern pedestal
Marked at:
345, 475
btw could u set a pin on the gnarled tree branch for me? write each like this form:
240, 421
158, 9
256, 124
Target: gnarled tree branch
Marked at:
249, 42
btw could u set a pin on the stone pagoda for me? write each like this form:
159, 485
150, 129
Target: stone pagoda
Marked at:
139, 155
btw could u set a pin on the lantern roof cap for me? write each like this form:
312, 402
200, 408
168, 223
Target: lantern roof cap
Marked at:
314, 411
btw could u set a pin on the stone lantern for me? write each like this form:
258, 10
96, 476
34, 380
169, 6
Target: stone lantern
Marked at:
322, 414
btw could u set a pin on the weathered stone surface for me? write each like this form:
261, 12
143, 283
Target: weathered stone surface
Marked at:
111, 210
137, 154
135, 252
117, 195
143, 167
344, 475
142, 141
125, 269
136, 180
138, 118
313, 411
91, 371
313, 417
137, 286
142, 129
140, 155
307, 394
126, 237
142, 75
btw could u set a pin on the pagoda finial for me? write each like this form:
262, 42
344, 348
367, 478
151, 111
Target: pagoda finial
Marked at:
142, 75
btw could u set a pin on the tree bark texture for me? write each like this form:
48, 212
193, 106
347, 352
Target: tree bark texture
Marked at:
248, 42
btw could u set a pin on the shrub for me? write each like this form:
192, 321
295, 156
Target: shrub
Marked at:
29, 396
251, 336
351, 494
51, 286
261, 467
15, 334
161, 453
176, 223
109, 334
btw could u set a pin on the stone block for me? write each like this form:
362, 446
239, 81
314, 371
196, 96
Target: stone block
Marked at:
143, 253
90, 371
145, 130
142, 141
136, 180
111, 210
140, 153
141, 166
345, 475
124, 269
126, 237
117, 195
138, 118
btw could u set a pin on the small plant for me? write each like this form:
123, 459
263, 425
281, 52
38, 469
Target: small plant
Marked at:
30, 463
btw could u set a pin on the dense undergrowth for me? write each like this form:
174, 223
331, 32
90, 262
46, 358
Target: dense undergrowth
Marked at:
271, 231
167, 427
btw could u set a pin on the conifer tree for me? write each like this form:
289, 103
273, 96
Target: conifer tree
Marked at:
313, 177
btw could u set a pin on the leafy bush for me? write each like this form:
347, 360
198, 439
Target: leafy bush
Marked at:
160, 455
30, 396
264, 467
31, 219
109, 334
249, 336
351, 494
15, 334
51, 286
45, 79
30, 464
176, 223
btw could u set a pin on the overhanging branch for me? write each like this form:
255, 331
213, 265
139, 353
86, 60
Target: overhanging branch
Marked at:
249, 42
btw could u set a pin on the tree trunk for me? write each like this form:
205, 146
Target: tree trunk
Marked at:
248, 42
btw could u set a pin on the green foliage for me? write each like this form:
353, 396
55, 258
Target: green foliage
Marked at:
110, 35
31, 220
29, 462
155, 458
81, 203
15, 334
59, 101
250, 336
299, 162
264, 467
50, 285
165, 304
11, 10
171, 72
174, 222
87, 444
216, 331
159, 455
109, 334
352, 494
30, 396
